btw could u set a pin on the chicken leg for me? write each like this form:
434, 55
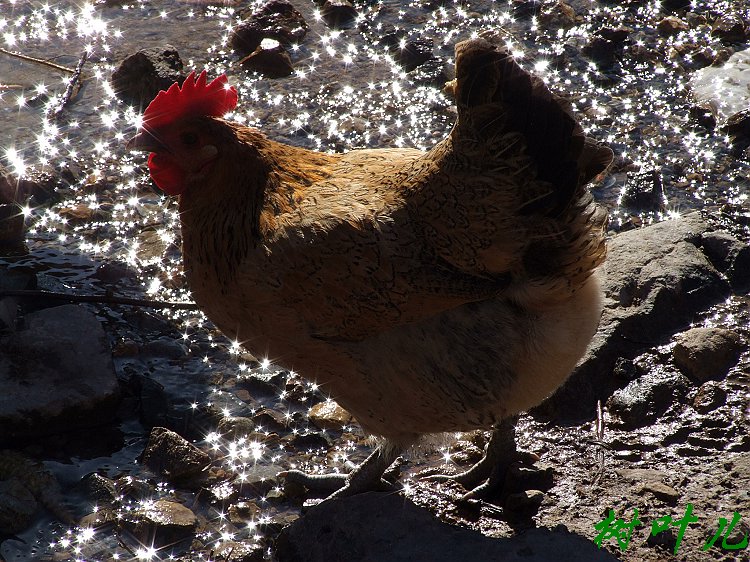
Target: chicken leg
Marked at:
487, 477
368, 476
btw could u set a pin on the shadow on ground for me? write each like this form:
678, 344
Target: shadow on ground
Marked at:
390, 528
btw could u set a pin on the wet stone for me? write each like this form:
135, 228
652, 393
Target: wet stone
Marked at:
12, 227
173, 457
134, 488
99, 518
521, 478
707, 353
644, 192
329, 415
140, 76
18, 506
277, 19
244, 551
660, 490
524, 503
271, 420
413, 53
526, 8
236, 427
730, 28
269, 59
709, 397
56, 374
164, 347
338, 14
430, 73
264, 382
242, 513
162, 524
648, 397
672, 25
729, 255
99, 489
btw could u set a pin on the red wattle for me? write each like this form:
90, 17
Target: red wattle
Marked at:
167, 175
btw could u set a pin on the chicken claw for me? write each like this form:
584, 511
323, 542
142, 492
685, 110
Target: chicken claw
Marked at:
487, 477
368, 476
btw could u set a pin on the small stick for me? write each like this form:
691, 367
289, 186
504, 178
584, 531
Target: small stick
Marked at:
11, 87
104, 299
600, 438
74, 80
37, 61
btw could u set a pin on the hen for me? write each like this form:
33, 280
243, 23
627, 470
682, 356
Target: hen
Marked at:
427, 292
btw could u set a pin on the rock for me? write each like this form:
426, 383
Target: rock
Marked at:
99, 518
56, 375
173, 457
24, 485
135, 488
260, 478
242, 513
644, 192
737, 126
245, 551
276, 19
162, 524
660, 491
338, 14
382, 527
559, 14
646, 398
725, 90
270, 420
329, 415
524, 503
707, 353
36, 189
236, 427
521, 478
99, 489
12, 227
269, 59
309, 441
709, 397
672, 25
430, 73
602, 51
140, 76
655, 280
164, 347
730, 28
264, 382
526, 8
413, 53
18, 506
729, 255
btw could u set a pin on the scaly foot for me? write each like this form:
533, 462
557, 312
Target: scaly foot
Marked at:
368, 476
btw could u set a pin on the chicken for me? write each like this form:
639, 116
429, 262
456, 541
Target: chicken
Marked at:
426, 292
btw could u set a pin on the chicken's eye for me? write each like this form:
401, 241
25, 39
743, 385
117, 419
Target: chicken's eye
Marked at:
189, 138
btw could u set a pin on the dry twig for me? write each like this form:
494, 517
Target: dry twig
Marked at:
103, 299
37, 61
74, 81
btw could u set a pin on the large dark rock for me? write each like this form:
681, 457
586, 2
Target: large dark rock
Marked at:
141, 75
377, 527
276, 19
56, 375
655, 280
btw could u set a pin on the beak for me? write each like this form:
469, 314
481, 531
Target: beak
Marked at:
143, 140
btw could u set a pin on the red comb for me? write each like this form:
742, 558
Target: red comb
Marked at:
194, 98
